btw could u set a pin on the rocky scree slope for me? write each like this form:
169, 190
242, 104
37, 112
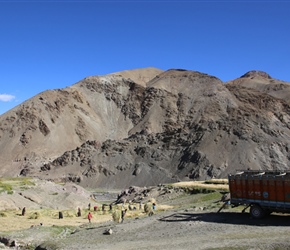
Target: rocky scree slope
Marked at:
114, 131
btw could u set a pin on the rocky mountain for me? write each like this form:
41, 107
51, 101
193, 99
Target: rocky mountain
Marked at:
147, 126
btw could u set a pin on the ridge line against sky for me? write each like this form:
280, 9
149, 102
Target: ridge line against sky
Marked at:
54, 44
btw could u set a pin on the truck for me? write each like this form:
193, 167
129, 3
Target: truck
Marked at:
263, 191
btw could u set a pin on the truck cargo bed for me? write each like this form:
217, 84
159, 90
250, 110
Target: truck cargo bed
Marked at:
268, 189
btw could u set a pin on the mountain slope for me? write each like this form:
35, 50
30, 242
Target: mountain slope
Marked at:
114, 131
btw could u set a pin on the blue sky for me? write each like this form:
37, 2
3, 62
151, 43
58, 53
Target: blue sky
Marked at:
48, 44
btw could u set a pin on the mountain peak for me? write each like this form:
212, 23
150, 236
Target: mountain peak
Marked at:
256, 73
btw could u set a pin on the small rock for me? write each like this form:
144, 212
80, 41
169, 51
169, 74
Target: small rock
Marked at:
108, 231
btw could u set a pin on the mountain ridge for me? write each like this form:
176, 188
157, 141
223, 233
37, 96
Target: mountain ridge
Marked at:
150, 127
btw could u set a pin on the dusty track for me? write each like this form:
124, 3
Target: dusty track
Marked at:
186, 230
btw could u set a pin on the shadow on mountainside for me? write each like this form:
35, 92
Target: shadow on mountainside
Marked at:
229, 218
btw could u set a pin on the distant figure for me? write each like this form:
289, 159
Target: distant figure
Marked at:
103, 207
90, 217
89, 206
123, 215
154, 206
124, 203
95, 208
79, 212
23, 211
111, 208
60, 215
140, 205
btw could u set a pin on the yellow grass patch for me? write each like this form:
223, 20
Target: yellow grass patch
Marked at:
164, 207
14, 221
9, 184
209, 184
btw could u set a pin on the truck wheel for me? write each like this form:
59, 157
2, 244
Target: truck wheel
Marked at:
257, 212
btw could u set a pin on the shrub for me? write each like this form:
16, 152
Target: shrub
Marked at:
116, 215
68, 214
4, 187
3, 214
27, 181
148, 207
34, 216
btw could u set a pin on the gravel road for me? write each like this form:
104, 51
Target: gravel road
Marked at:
185, 230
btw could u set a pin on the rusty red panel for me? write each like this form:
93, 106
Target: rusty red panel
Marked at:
287, 190
280, 189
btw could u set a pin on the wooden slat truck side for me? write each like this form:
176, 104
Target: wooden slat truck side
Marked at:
263, 191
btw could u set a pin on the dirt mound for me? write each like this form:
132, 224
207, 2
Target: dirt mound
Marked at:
43, 194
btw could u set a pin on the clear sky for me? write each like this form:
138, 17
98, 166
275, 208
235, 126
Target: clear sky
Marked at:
48, 44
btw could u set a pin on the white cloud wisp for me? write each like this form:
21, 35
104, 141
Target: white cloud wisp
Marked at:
6, 98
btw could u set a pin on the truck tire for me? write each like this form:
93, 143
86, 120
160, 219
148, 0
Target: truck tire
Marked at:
257, 212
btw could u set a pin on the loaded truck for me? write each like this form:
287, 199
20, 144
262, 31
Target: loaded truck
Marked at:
263, 191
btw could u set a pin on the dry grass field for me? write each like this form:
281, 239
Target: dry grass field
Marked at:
185, 218
214, 184
12, 220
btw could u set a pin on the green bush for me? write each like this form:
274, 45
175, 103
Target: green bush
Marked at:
210, 196
26, 181
4, 187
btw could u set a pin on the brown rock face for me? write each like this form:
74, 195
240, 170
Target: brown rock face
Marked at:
145, 127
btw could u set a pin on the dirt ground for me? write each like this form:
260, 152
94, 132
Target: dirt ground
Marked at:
171, 229
182, 221
183, 230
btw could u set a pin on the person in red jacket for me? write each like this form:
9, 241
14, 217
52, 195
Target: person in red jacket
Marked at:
90, 217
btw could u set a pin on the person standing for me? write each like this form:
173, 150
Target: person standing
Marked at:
23, 211
79, 212
90, 217
123, 215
